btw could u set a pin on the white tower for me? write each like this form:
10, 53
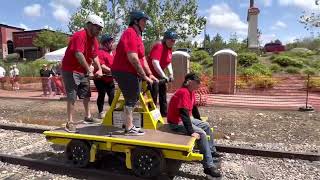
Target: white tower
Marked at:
252, 19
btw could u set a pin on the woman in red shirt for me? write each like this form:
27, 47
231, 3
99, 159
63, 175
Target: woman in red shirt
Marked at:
105, 84
160, 59
130, 67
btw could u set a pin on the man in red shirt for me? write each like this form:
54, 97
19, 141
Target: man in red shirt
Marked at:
181, 109
80, 54
105, 84
130, 66
159, 59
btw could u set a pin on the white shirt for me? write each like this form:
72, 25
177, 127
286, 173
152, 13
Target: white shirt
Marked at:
16, 72
2, 72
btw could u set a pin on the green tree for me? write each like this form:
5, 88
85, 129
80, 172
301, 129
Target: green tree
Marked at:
51, 39
181, 16
217, 43
112, 16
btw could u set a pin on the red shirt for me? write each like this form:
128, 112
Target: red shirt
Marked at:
80, 42
161, 53
182, 98
107, 59
130, 41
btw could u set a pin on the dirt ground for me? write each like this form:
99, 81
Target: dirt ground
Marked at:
240, 124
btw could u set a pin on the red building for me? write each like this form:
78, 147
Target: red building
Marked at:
6, 39
23, 42
15, 39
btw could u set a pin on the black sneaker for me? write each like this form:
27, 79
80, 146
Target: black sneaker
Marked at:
212, 172
91, 120
134, 132
216, 155
70, 128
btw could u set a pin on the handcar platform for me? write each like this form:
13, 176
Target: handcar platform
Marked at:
160, 138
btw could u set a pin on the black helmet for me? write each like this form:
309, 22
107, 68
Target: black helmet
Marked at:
170, 34
137, 15
106, 38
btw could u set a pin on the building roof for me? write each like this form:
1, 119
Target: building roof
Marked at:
12, 27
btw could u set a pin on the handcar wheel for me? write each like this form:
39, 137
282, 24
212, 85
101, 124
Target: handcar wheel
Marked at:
147, 163
78, 153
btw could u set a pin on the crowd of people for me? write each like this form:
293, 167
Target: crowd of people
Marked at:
12, 76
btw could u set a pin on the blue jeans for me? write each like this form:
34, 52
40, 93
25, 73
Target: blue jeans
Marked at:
206, 146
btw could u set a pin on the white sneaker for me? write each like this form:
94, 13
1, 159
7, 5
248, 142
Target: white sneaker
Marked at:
101, 115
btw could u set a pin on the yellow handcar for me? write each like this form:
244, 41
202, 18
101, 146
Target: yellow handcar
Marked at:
158, 150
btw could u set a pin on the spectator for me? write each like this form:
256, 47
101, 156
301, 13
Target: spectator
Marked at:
58, 80
45, 75
51, 83
11, 77
2, 77
16, 78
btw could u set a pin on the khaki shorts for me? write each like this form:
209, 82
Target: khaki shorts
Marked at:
76, 84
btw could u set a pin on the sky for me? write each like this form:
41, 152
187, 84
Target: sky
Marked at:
278, 19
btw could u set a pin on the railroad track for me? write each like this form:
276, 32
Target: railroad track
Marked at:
64, 169
220, 148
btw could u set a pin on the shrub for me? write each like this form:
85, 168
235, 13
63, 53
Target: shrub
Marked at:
263, 82
314, 82
13, 57
275, 68
292, 70
255, 70
198, 56
247, 59
287, 61
310, 71
196, 68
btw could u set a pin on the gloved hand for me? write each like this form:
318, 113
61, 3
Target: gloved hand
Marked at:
171, 78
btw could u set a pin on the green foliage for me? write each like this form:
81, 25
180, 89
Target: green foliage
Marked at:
314, 83
111, 16
198, 56
247, 59
275, 68
255, 70
196, 68
292, 70
12, 57
263, 82
286, 61
310, 71
51, 39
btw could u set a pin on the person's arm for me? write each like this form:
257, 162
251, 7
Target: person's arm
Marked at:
82, 60
97, 63
170, 71
195, 112
184, 114
158, 69
134, 60
105, 69
148, 71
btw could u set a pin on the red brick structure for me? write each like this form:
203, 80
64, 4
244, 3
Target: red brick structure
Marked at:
6, 39
23, 42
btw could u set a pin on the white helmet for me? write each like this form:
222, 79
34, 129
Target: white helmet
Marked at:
94, 19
